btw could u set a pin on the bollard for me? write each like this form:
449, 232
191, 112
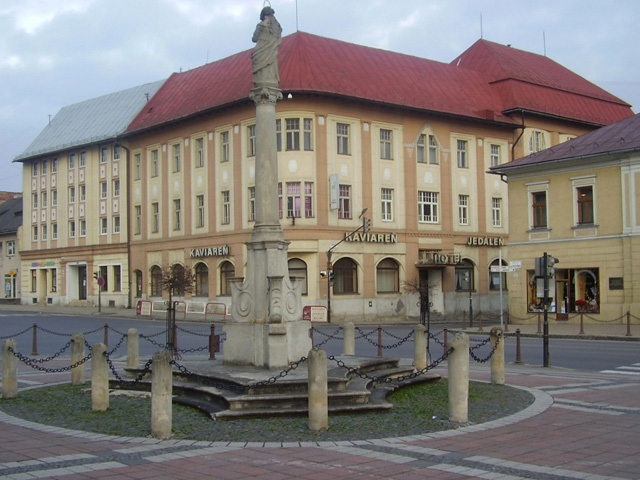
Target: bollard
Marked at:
539, 324
106, 334
379, 341
99, 378
34, 340
497, 359
420, 352
628, 323
506, 321
214, 343
445, 341
9, 370
480, 324
161, 391
77, 354
133, 347
581, 324
458, 369
518, 353
464, 320
349, 345
318, 396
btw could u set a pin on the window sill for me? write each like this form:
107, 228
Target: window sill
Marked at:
539, 230
584, 226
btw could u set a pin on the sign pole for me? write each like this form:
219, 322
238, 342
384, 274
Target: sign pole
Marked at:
545, 330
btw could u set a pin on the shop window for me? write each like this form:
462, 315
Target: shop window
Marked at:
156, 281
495, 277
202, 280
298, 268
345, 273
388, 276
227, 272
138, 283
464, 276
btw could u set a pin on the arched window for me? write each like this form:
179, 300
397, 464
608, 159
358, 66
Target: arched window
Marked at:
156, 281
297, 268
202, 280
388, 276
494, 277
137, 275
464, 276
178, 271
345, 273
227, 271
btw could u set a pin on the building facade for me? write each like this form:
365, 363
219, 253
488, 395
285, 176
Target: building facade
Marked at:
10, 223
362, 133
578, 202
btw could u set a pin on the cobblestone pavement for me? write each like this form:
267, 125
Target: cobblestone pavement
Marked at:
582, 425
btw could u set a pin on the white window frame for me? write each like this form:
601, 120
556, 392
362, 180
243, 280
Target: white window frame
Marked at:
386, 144
226, 207
428, 200
386, 197
533, 188
83, 228
343, 138
225, 146
104, 226
462, 152
583, 182
176, 155
496, 212
200, 212
177, 214
463, 210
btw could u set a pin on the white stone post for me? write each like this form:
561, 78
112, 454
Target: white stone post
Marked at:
349, 345
99, 378
318, 396
9, 370
133, 347
497, 359
161, 390
77, 354
420, 353
459, 379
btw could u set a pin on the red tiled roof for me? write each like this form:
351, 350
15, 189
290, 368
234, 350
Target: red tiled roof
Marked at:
314, 64
534, 82
622, 136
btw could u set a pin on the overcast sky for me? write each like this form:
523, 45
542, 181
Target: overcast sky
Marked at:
59, 52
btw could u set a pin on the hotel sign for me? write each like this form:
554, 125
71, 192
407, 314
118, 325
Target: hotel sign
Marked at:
209, 251
439, 258
485, 241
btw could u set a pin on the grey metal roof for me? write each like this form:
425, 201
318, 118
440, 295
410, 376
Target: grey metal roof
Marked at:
10, 216
91, 121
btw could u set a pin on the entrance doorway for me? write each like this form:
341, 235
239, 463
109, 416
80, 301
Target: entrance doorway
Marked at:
82, 282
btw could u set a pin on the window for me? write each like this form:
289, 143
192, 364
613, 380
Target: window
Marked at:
585, 205
388, 276
72, 229
342, 132
297, 268
137, 222
177, 271
83, 159
54, 165
420, 149
137, 166
54, 231
154, 163
103, 190
72, 161
45, 199
308, 199
104, 155
539, 209
225, 153
156, 281
34, 169
202, 280
176, 214
72, 194
177, 160
104, 273
495, 155
104, 226
199, 152
11, 248
292, 126
462, 154
251, 141
344, 201
227, 272
200, 212
345, 280
116, 224
496, 211
54, 279
83, 228
308, 134
117, 278
83, 193
293, 199
433, 150
496, 277
226, 208
44, 232
116, 152
463, 209
44, 167
155, 217
34, 233
252, 204
54, 198
387, 204
116, 187
464, 276
279, 135
537, 141
137, 274
428, 207
386, 144
34, 281
34, 200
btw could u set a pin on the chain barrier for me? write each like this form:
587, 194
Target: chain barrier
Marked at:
54, 356
34, 363
197, 334
329, 336
16, 334
194, 350
122, 339
482, 344
437, 340
145, 370
153, 342
363, 334
395, 345
391, 334
116, 331
620, 319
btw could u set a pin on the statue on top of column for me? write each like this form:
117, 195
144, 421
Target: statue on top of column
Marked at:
264, 57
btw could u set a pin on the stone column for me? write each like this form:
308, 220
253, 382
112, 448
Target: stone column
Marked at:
133, 348
497, 360
420, 353
161, 391
349, 341
77, 354
9, 370
99, 378
459, 379
318, 390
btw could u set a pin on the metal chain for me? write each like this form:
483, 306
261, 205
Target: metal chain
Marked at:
395, 345
16, 334
437, 340
329, 337
363, 334
481, 344
122, 338
145, 370
148, 339
34, 364
193, 350
192, 333
55, 355
117, 331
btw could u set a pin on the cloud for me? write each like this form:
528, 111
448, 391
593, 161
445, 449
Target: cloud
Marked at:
31, 15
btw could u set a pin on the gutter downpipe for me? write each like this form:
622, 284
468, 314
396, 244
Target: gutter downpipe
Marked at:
128, 221
513, 147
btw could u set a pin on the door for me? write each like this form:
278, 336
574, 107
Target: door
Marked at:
82, 282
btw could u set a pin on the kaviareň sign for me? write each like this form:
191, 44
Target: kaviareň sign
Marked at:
209, 251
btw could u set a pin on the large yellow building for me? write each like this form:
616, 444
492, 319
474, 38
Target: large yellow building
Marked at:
408, 140
579, 203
